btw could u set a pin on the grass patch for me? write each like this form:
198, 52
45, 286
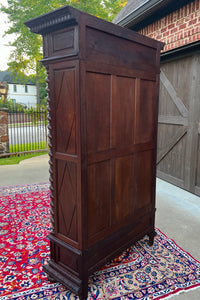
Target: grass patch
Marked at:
25, 124
14, 160
28, 147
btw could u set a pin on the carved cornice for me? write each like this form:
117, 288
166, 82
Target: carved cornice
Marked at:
53, 20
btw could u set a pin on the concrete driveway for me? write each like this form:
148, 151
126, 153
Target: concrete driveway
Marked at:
32, 170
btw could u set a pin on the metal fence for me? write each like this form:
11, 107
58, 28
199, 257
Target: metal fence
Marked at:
27, 131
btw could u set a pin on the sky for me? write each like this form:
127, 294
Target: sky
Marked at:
4, 50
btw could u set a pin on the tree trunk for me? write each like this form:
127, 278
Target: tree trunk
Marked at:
38, 90
37, 84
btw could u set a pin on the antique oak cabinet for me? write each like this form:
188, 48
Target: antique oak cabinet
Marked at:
103, 104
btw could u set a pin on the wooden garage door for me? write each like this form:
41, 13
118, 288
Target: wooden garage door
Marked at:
178, 158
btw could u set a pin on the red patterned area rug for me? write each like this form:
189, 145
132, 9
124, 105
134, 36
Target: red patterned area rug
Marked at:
140, 272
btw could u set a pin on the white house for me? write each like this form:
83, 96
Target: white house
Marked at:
20, 91
24, 94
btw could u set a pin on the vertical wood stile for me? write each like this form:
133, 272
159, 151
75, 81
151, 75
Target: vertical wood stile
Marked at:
137, 97
112, 145
191, 155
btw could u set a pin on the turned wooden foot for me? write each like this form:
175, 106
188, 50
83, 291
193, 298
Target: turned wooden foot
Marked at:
84, 297
84, 294
151, 238
51, 279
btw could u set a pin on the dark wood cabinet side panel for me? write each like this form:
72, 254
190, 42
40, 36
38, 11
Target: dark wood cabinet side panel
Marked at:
123, 103
103, 88
99, 198
123, 203
110, 49
65, 90
98, 111
67, 199
145, 111
143, 181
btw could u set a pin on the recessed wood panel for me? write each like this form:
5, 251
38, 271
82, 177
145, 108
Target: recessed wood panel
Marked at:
172, 141
110, 49
67, 199
145, 111
178, 79
99, 197
167, 107
143, 180
65, 255
64, 42
65, 110
98, 112
124, 202
123, 102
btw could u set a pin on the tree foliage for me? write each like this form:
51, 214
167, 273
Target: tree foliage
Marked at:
27, 51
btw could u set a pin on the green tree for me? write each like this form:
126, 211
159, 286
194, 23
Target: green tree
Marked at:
27, 53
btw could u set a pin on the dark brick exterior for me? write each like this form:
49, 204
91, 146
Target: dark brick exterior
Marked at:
178, 28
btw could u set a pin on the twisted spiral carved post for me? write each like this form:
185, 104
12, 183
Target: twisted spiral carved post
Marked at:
51, 141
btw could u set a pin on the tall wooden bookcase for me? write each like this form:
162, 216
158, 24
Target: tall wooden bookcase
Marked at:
103, 105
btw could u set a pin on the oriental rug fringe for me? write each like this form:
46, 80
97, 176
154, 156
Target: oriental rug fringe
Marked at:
141, 272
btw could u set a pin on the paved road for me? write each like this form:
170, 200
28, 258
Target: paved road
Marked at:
32, 170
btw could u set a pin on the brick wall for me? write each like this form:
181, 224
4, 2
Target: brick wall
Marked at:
178, 28
4, 141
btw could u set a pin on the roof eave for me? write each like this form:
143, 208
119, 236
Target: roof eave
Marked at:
182, 51
142, 12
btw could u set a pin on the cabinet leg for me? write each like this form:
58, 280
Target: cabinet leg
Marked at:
151, 238
51, 279
83, 297
84, 294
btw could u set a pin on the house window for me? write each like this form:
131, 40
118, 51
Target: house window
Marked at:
14, 88
26, 88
